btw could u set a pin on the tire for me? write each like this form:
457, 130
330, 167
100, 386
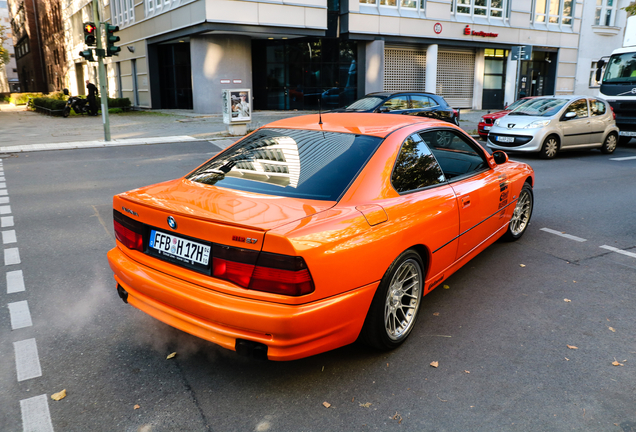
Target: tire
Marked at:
390, 320
521, 215
443, 139
610, 143
624, 140
66, 112
550, 147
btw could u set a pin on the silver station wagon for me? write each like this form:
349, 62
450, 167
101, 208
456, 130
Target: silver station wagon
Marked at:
554, 123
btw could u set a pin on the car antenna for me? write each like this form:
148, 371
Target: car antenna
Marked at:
319, 111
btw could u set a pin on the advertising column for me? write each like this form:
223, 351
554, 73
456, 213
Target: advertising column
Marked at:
237, 110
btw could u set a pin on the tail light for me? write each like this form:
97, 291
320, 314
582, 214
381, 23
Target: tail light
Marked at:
613, 113
128, 231
262, 271
456, 113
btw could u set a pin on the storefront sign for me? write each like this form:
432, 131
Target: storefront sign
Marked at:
468, 31
437, 28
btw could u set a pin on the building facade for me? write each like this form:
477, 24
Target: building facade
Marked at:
9, 82
603, 28
26, 44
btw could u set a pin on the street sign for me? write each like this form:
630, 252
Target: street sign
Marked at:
523, 52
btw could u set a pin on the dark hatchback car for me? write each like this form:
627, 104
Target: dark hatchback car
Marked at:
408, 103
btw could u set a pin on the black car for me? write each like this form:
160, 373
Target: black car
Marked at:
408, 103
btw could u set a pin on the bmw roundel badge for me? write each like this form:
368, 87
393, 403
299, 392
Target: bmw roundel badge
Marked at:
172, 223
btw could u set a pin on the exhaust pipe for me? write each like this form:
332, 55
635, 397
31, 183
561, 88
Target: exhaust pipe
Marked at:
122, 293
255, 350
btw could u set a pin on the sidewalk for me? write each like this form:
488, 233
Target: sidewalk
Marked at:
24, 131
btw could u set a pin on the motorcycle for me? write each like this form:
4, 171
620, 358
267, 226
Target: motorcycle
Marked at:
79, 105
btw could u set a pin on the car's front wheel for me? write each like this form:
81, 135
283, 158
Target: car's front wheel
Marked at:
521, 215
549, 148
609, 145
393, 311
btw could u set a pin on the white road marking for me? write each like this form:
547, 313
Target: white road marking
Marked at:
620, 251
5, 209
11, 256
2, 179
4, 192
15, 281
4, 200
6, 221
20, 315
35, 414
9, 237
624, 158
3, 185
27, 362
567, 236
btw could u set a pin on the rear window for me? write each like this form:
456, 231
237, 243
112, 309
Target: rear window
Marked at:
366, 103
291, 163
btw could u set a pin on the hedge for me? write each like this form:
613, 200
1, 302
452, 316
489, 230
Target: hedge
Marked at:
123, 103
48, 105
21, 98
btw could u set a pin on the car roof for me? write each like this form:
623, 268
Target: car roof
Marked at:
399, 93
379, 125
568, 97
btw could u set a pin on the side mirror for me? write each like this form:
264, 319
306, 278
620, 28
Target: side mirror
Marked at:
383, 109
599, 69
570, 115
500, 157
65, 91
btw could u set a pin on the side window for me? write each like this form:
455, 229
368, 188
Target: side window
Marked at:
454, 153
579, 107
597, 107
397, 103
415, 167
420, 102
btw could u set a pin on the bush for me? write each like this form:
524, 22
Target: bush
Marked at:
115, 110
21, 98
48, 105
123, 103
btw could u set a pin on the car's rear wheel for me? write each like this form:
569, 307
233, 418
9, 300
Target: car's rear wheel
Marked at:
394, 308
609, 145
521, 215
550, 147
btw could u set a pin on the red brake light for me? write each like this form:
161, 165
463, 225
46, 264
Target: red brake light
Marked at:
613, 113
128, 231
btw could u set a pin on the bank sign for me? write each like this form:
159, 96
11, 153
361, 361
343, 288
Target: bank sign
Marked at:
469, 32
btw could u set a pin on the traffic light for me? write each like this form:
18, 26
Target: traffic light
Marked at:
111, 49
90, 32
87, 54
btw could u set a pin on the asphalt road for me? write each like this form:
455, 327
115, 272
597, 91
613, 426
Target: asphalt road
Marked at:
500, 332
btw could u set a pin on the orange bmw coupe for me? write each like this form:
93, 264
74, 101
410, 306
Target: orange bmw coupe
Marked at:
311, 233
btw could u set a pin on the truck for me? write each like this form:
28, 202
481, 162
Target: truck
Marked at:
618, 85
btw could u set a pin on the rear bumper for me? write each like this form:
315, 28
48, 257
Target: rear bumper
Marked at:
289, 331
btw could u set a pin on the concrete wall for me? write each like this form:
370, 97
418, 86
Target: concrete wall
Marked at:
215, 58
374, 66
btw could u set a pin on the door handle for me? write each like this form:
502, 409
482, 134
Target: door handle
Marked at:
465, 201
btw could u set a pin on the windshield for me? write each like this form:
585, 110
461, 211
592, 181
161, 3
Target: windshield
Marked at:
364, 104
291, 163
540, 107
517, 104
621, 68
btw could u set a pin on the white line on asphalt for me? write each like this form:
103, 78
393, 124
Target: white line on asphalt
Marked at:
15, 281
35, 414
624, 158
620, 251
5, 209
6, 221
27, 362
11, 256
20, 315
567, 236
4, 200
4, 192
2, 179
3, 185
9, 237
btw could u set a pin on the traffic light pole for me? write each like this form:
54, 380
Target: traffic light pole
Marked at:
101, 71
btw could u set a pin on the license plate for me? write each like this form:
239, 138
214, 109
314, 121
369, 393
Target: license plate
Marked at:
623, 133
179, 248
487, 127
505, 139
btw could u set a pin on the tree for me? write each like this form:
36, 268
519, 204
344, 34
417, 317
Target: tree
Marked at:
631, 9
4, 53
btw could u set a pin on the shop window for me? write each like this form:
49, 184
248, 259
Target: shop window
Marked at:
605, 12
480, 8
554, 12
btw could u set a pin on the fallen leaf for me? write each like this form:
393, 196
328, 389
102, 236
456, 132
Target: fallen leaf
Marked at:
59, 395
566, 358
435, 364
467, 371
616, 363
567, 300
173, 355
136, 407
352, 399
387, 365
612, 329
366, 405
397, 417
571, 347
522, 265
435, 313
446, 287
326, 404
